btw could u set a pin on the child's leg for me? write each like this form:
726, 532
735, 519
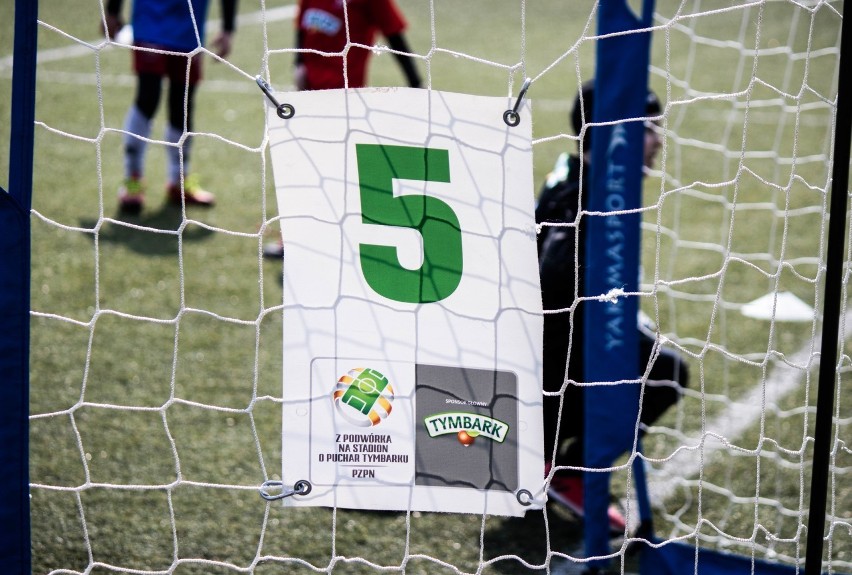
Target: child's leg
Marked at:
137, 124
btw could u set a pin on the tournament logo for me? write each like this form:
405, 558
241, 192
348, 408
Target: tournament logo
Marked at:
466, 426
363, 397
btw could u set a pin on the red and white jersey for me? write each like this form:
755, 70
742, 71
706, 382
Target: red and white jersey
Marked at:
323, 28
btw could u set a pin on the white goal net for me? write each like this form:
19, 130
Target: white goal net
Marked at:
155, 404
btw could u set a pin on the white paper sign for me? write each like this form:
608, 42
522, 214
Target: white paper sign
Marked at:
412, 309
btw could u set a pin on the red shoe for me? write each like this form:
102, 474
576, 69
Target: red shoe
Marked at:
193, 194
568, 491
131, 196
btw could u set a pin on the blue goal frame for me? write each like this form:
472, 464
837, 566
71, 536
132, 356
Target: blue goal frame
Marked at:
15, 205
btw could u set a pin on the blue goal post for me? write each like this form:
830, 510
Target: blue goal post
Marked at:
15, 205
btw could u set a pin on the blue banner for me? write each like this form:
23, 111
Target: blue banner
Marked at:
612, 254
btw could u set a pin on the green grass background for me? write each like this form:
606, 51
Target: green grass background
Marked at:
156, 343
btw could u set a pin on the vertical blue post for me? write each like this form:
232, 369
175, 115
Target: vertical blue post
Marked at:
15, 554
612, 256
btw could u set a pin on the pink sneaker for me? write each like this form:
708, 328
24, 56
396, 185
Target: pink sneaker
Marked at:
193, 195
568, 491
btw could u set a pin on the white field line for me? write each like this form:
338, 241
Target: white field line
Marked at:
129, 81
745, 412
277, 15
85, 48
561, 105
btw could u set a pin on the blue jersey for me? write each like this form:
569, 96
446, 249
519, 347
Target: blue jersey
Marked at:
168, 23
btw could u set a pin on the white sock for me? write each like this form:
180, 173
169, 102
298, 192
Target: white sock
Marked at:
134, 148
173, 136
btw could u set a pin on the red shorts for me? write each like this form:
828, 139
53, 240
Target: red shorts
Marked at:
173, 66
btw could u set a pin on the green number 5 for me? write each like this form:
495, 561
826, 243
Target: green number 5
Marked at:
441, 272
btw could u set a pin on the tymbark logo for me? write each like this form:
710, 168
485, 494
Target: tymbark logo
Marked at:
468, 426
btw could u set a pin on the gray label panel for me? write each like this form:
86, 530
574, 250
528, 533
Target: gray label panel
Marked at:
445, 460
